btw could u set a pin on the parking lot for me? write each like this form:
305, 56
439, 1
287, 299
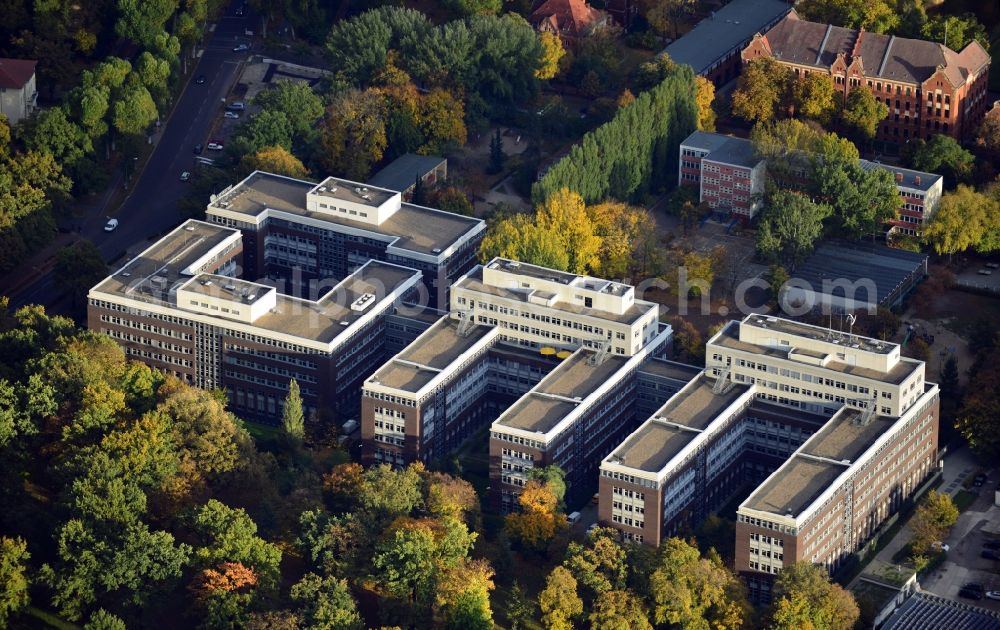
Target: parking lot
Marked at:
976, 526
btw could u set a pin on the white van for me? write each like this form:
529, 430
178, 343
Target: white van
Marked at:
574, 517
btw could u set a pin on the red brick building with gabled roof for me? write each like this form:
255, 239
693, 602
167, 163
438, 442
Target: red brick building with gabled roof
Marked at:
928, 87
569, 19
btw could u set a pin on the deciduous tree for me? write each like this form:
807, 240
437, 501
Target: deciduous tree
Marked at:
686, 588
230, 535
552, 54
762, 90
559, 601
538, 519
564, 215
962, 220
863, 112
518, 237
78, 268
704, 96
804, 596
876, 16
790, 226
619, 610
989, 131
941, 154
14, 580
326, 603
815, 97
277, 160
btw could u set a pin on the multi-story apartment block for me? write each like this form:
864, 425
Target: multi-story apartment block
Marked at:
928, 88
538, 307
730, 178
298, 231
841, 426
728, 175
180, 306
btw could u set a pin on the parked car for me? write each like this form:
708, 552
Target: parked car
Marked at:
596, 498
185, 176
232, 115
241, 47
236, 106
215, 146
972, 590
979, 480
992, 544
200, 79
592, 527
111, 225
573, 517
989, 554
993, 266
198, 148
985, 272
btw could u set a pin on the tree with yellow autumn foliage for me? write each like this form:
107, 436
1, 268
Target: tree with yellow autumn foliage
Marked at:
564, 215
703, 96
552, 53
539, 519
278, 160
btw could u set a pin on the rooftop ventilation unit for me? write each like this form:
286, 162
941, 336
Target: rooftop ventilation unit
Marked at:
358, 190
321, 189
230, 287
251, 297
363, 302
366, 196
364, 189
189, 228
344, 324
333, 189
436, 250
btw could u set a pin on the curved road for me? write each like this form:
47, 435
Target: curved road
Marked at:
151, 206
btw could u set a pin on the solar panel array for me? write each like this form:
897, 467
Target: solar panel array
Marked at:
925, 611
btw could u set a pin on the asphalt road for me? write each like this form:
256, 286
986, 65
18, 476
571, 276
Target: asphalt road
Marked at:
151, 206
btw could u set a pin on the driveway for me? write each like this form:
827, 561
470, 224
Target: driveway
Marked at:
981, 522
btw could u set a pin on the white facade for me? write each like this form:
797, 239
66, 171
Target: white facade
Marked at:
816, 368
538, 307
18, 103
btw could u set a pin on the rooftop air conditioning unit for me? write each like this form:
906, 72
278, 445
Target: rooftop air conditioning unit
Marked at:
333, 189
321, 189
364, 189
344, 324
436, 250
363, 302
189, 228
358, 190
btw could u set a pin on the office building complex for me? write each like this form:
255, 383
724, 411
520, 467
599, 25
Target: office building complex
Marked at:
730, 178
835, 431
296, 231
552, 359
928, 88
180, 306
